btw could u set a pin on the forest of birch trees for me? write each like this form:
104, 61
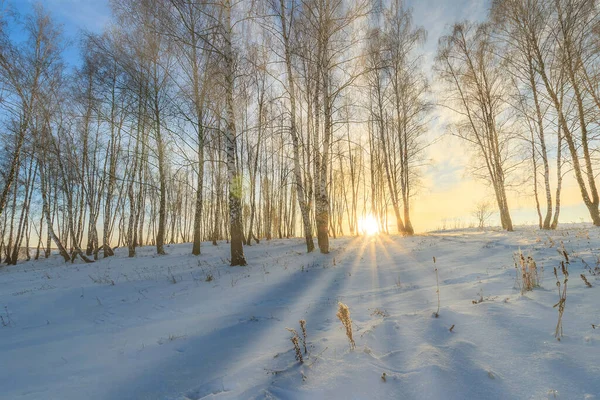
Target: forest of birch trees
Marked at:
242, 121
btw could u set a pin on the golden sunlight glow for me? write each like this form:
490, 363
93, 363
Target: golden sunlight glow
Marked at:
368, 225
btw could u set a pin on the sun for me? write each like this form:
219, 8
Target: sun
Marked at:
368, 225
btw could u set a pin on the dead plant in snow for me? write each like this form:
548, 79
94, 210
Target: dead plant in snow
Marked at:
297, 349
105, 279
295, 339
303, 328
296, 342
171, 277
6, 321
398, 283
344, 316
527, 271
437, 282
380, 313
587, 283
562, 295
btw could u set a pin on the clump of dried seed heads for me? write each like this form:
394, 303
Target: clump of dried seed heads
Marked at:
528, 272
295, 339
344, 316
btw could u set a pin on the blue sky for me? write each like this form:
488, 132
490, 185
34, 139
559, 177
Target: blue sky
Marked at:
73, 15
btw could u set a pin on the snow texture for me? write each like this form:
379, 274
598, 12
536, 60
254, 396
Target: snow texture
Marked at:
185, 327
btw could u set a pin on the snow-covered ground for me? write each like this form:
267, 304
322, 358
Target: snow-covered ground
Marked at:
185, 327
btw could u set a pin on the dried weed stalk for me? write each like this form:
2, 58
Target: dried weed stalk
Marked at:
295, 339
562, 294
587, 283
380, 313
297, 349
296, 342
437, 281
6, 321
303, 327
344, 316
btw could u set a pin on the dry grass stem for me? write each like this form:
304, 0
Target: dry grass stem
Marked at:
437, 281
303, 327
344, 316
587, 283
562, 294
296, 343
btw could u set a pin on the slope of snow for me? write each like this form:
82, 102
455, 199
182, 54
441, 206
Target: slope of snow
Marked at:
160, 328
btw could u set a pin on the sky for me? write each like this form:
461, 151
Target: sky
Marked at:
448, 192
90, 15
73, 15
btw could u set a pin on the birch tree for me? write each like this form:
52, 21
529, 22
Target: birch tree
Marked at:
476, 92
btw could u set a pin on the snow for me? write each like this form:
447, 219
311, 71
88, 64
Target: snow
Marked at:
165, 331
